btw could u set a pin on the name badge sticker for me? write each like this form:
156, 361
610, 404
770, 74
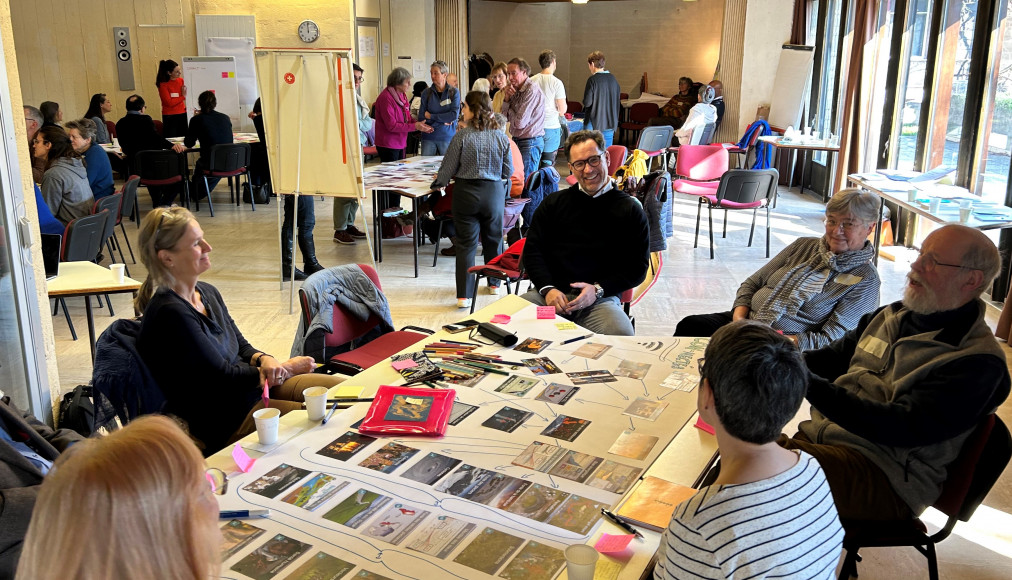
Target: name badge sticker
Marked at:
873, 345
446, 102
848, 279
174, 95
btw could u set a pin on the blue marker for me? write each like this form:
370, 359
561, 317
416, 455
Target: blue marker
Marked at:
243, 514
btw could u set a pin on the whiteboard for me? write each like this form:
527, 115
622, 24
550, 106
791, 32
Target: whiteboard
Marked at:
793, 82
310, 121
245, 71
212, 73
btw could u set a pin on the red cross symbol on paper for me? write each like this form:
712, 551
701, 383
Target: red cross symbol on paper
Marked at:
290, 78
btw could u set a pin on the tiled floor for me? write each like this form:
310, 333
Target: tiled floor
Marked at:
245, 269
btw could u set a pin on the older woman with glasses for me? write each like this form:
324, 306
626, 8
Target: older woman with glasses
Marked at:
815, 289
137, 503
96, 162
212, 377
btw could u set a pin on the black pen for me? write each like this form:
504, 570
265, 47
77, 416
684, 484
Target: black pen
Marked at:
330, 414
621, 523
577, 338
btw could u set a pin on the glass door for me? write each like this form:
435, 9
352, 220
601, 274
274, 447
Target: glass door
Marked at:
995, 143
910, 89
22, 355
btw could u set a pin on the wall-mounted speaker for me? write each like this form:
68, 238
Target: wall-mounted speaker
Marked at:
124, 57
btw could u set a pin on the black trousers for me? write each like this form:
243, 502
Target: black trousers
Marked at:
702, 324
478, 205
389, 198
174, 125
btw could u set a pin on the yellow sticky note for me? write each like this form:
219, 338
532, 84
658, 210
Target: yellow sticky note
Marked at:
565, 325
346, 392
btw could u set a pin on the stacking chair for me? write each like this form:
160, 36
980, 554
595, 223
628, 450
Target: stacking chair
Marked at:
111, 204
970, 477
163, 167
111, 127
506, 267
616, 157
159, 127
698, 169
82, 241
639, 115
740, 189
228, 160
654, 141
574, 107
347, 329
129, 208
704, 135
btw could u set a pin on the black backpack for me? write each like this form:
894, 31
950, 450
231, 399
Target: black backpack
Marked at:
77, 411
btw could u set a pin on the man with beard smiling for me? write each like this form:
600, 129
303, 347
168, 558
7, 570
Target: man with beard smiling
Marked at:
894, 400
588, 243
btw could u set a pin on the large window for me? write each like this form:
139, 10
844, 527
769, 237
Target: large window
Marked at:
910, 85
825, 114
952, 71
995, 143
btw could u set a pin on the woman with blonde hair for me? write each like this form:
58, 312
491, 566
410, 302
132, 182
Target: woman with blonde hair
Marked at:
135, 504
212, 378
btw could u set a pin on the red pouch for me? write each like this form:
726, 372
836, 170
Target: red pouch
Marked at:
409, 411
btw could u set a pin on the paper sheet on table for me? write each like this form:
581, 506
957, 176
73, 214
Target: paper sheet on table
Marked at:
285, 432
609, 543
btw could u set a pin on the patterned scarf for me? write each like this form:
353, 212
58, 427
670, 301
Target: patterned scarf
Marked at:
808, 279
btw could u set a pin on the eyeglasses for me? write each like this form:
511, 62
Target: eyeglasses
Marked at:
217, 480
929, 263
358, 78
847, 225
592, 161
700, 362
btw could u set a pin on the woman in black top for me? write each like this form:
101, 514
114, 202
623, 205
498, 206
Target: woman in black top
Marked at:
211, 376
209, 128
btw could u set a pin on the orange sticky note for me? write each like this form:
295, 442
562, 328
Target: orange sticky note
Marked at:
609, 544
244, 461
701, 424
546, 312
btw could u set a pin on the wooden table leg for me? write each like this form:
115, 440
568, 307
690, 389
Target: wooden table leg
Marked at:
91, 326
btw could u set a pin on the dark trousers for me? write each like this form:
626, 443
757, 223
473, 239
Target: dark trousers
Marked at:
389, 198
860, 489
197, 188
305, 221
702, 324
164, 195
174, 125
478, 206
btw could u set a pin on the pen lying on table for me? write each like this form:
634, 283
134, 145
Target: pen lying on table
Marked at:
243, 514
621, 523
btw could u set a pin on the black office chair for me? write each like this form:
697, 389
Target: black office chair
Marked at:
229, 160
82, 241
162, 168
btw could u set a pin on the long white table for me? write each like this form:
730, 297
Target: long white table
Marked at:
682, 452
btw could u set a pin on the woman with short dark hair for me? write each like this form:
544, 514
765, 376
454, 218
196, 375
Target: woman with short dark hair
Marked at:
209, 128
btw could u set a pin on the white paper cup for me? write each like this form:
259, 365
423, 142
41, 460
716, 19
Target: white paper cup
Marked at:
964, 214
911, 194
118, 272
581, 560
316, 402
267, 421
965, 204
933, 204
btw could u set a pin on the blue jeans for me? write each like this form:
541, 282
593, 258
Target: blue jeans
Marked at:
609, 134
530, 152
434, 147
553, 140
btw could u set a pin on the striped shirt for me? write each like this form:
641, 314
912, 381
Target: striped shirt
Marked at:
850, 291
782, 527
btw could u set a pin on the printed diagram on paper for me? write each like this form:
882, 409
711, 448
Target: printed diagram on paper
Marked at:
523, 471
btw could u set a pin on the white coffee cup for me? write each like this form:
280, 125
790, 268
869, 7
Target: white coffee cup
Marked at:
267, 421
964, 214
933, 204
965, 204
118, 272
581, 560
912, 194
316, 402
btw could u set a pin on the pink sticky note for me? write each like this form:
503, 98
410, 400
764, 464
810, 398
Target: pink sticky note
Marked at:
500, 319
403, 364
244, 461
267, 394
617, 543
546, 312
701, 424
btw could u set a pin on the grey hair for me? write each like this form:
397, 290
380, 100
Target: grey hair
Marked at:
34, 114
441, 65
981, 255
86, 127
481, 85
863, 205
398, 76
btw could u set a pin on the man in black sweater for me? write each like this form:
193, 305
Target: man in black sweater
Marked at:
136, 132
587, 244
601, 99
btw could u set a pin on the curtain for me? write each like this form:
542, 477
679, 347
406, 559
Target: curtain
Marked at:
855, 91
451, 38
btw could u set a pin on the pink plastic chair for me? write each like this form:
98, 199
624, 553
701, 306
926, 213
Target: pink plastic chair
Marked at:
699, 168
616, 157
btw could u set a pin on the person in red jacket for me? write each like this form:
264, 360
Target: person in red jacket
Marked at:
394, 122
172, 91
